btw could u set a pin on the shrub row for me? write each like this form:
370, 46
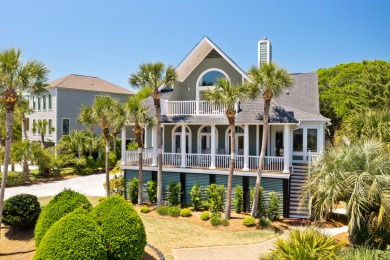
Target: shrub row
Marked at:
13, 178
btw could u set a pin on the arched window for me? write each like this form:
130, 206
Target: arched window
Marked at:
204, 140
176, 140
239, 140
208, 79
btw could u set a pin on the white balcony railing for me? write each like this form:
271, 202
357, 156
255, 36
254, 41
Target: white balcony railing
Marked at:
192, 108
222, 161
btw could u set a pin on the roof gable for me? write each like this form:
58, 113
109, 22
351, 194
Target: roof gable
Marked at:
87, 83
202, 50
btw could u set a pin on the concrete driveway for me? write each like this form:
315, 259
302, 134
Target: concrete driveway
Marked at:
89, 185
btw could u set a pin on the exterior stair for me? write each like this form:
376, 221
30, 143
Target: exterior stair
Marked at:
297, 179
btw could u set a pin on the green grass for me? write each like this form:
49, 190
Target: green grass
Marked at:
167, 234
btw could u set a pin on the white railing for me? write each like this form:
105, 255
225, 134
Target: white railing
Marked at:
172, 159
131, 157
314, 157
198, 160
193, 108
222, 161
271, 163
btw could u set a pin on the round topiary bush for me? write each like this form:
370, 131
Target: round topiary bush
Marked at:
249, 221
163, 210
205, 215
62, 204
75, 236
21, 211
185, 213
144, 209
123, 231
174, 211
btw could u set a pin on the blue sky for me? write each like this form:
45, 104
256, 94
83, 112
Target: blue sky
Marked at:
109, 39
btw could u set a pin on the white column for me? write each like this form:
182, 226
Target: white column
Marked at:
287, 148
321, 138
183, 146
213, 147
197, 106
123, 139
246, 148
154, 145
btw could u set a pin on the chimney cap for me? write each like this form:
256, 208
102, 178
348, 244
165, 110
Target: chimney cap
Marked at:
265, 38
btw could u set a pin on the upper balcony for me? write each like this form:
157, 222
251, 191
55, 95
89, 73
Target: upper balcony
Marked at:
191, 107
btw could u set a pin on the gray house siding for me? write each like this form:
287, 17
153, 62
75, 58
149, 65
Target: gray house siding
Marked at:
186, 90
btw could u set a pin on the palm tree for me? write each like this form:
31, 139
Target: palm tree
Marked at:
227, 94
76, 141
15, 78
23, 152
155, 76
359, 174
103, 111
41, 127
118, 122
138, 115
85, 117
269, 80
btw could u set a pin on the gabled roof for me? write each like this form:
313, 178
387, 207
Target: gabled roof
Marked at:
87, 83
197, 54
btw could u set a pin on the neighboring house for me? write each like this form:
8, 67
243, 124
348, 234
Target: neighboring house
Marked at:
62, 106
196, 134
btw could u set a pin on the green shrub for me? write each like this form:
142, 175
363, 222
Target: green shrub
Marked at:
152, 191
174, 190
196, 196
123, 231
215, 195
13, 179
132, 146
144, 209
81, 168
238, 201
90, 162
264, 222
21, 211
225, 222
75, 236
174, 211
185, 213
62, 204
365, 253
117, 186
133, 191
261, 206
273, 206
163, 210
249, 221
215, 219
112, 160
205, 215
305, 244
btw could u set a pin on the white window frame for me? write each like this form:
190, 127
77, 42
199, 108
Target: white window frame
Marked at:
201, 88
174, 133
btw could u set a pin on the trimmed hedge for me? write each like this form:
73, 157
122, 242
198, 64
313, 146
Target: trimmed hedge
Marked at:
75, 236
205, 215
249, 221
185, 213
21, 211
123, 231
62, 204
13, 179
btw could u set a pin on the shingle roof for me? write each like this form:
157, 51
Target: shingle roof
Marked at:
87, 83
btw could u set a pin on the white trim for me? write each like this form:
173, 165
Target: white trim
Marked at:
200, 134
227, 135
173, 134
206, 40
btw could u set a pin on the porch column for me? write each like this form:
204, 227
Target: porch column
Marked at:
183, 146
257, 140
123, 139
246, 148
213, 147
154, 145
321, 141
197, 106
287, 148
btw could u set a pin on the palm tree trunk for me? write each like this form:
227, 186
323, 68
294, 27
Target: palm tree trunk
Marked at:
26, 171
157, 105
42, 140
231, 167
24, 122
107, 137
114, 141
9, 115
267, 104
138, 137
